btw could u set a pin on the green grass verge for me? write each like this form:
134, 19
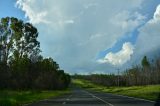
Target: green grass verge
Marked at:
149, 92
18, 98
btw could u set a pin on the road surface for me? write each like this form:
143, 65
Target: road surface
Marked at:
80, 97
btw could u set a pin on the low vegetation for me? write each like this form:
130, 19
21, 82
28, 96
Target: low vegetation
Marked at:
150, 92
19, 98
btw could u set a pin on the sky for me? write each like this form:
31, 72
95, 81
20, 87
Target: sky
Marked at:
92, 36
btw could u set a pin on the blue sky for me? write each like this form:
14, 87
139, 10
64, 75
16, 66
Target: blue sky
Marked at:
8, 8
91, 36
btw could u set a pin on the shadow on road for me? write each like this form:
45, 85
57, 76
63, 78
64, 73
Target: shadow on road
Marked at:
158, 101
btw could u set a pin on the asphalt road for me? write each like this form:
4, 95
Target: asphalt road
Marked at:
80, 97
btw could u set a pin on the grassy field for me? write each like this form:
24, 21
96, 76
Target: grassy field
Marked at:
149, 92
17, 98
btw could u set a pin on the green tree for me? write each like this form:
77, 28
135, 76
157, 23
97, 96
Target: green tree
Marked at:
6, 39
145, 62
25, 37
19, 37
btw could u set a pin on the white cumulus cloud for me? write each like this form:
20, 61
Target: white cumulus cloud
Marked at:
34, 16
120, 57
156, 16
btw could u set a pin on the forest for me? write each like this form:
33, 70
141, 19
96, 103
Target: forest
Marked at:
22, 66
145, 74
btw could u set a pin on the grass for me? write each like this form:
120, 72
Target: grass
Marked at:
149, 92
18, 98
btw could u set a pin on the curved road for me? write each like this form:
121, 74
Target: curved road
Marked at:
80, 97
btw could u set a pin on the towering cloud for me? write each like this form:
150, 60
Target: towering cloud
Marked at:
156, 16
73, 32
149, 36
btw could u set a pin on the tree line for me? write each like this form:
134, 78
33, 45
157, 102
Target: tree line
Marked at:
21, 65
144, 74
